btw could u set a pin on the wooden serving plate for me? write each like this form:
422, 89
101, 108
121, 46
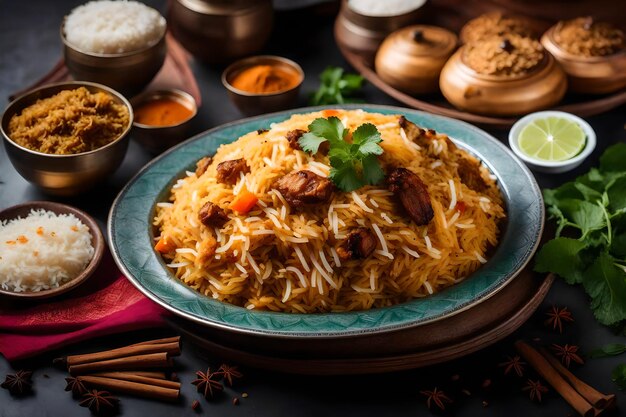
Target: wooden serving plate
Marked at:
582, 106
432, 343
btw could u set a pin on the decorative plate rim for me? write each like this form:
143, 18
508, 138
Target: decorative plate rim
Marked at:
269, 319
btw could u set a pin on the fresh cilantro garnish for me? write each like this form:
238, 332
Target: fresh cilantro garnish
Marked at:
592, 211
354, 164
335, 87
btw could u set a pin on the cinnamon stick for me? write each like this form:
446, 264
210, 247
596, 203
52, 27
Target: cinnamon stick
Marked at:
173, 339
151, 374
133, 377
153, 360
172, 349
134, 388
543, 368
596, 398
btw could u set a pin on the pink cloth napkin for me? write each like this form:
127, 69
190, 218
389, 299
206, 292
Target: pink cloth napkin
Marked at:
106, 304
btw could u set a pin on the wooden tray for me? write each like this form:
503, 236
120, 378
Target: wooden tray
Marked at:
441, 341
437, 104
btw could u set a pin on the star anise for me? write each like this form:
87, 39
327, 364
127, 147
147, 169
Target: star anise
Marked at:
535, 389
567, 353
99, 402
436, 396
229, 373
207, 383
556, 317
18, 384
76, 386
514, 363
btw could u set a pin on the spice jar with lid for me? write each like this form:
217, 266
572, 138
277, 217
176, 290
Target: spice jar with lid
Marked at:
503, 76
362, 25
593, 54
218, 31
411, 59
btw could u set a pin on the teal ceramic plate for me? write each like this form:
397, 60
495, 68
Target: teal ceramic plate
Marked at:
131, 238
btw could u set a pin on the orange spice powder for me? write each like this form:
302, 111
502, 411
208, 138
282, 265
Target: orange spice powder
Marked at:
261, 79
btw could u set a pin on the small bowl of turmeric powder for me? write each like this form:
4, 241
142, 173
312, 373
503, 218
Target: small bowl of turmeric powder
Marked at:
263, 84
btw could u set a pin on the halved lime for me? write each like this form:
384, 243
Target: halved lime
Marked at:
552, 139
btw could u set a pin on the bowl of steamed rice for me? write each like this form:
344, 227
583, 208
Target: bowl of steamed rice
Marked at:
116, 43
46, 249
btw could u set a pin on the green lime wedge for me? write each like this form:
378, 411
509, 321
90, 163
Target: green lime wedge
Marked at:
552, 139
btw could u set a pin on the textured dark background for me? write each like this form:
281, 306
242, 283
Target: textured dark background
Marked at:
30, 46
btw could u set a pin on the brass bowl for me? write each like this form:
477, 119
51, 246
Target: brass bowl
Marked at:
411, 58
466, 89
156, 139
252, 104
363, 34
64, 174
590, 75
218, 31
97, 240
127, 72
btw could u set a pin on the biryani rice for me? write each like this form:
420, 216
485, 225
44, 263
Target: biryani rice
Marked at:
280, 259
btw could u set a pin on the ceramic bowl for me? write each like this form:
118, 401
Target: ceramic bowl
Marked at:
553, 167
97, 240
252, 104
156, 139
127, 72
64, 174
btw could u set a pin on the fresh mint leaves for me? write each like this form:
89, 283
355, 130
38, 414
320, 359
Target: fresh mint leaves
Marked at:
353, 164
592, 211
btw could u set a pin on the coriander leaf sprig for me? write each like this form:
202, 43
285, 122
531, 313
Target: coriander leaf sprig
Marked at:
335, 87
353, 164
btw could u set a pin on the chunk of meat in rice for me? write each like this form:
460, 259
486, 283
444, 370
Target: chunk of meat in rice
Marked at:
228, 171
469, 172
304, 187
212, 215
359, 244
202, 165
412, 193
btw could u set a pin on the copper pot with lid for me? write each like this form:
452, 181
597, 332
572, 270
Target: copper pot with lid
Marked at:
503, 76
218, 31
411, 58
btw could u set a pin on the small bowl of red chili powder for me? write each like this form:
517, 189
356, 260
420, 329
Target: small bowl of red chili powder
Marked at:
162, 118
263, 84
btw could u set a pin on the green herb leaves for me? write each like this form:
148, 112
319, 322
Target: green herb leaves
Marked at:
335, 86
354, 164
612, 349
592, 210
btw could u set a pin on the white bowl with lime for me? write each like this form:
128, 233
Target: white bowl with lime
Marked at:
552, 141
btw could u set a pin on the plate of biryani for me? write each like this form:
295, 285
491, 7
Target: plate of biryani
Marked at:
322, 222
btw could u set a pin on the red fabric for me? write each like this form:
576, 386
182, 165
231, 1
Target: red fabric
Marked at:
107, 303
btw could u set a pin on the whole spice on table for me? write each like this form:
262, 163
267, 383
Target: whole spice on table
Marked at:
335, 87
556, 317
207, 383
567, 354
229, 373
262, 79
592, 208
76, 386
535, 389
99, 402
18, 384
513, 363
436, 397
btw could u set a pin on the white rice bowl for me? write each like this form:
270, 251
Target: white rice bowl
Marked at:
113, 27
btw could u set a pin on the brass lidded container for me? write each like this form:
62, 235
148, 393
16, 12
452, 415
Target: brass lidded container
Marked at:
593, 54
411, 59
503, 76
220, 31
363, 34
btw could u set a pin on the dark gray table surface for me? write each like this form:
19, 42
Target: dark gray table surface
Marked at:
30, 46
